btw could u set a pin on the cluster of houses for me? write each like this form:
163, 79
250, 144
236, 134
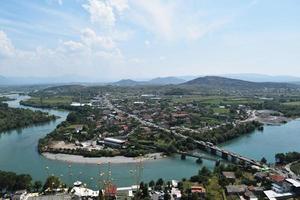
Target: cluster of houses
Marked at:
282, 187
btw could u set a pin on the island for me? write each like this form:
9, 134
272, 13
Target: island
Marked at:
12, 118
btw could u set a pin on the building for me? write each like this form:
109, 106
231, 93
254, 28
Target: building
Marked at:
295, 186
82, 192
113, 142
20, 195
272, 195
229, 175
78, 128
236, 189
126, 192
198, 190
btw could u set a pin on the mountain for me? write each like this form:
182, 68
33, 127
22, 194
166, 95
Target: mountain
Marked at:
222, 82
263, 78
165, 81
156, 81
127, 82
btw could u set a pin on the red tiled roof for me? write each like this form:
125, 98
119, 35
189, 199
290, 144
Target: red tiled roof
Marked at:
277, 178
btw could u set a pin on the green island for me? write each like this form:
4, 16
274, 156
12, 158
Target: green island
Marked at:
11, 118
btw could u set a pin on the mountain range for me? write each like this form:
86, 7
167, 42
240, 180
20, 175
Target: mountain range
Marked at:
171, 80
223, 82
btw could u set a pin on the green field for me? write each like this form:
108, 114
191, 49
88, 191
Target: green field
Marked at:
221, 110
296, 168
294, 103
49, 101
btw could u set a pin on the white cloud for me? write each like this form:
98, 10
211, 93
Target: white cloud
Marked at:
119, 5
90, 38
147, 43
73, 46
6, 47
100, 12
154, 15
105, 12
91, 51
174, 20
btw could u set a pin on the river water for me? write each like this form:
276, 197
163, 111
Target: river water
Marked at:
18, 153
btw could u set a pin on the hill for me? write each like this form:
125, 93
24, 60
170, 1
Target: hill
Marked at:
165, 81
263, 78
156, 81
221, 82
126, 82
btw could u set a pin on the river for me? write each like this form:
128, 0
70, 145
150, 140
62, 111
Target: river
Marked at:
18, 153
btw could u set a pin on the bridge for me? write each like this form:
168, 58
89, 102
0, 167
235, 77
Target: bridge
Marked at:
227, 155
197, 155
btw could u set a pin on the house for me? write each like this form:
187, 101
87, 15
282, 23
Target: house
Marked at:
248, 195
272, 195
20, 195
229, 175
295, 185
198, 190
260, 175
279, 184
236, 189
78, 128
82, 192
176, 193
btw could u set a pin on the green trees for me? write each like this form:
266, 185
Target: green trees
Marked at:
11, 181
263, 160
37, 185
202, 177
284, 158
51, 183
11, 118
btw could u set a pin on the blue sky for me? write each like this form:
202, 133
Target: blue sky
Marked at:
113, 39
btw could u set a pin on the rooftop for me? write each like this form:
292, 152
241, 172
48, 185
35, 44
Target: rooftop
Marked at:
294, 182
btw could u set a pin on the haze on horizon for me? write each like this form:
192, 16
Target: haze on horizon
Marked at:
115, 39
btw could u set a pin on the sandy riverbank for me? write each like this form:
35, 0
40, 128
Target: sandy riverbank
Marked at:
86, 160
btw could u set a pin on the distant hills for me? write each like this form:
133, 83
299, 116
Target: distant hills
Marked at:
171, 80
156, 81
263, 78
222, 82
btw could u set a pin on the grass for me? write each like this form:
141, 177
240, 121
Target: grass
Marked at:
56, 100
294, 103
296, 168
221, 110
214, 190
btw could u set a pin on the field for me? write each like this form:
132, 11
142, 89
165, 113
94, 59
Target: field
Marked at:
49, 101
296, 168
214, 190
294, 103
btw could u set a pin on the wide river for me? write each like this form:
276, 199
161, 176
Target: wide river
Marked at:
18, 153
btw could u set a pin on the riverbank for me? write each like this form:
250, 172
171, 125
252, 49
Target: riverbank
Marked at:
88, 160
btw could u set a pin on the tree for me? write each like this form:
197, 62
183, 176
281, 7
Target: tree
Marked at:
23, 181
160, 182
52, 182
145, 191
263, 160
37, 185
151, 184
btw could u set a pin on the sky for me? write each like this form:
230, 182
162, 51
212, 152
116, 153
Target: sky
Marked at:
115, 39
